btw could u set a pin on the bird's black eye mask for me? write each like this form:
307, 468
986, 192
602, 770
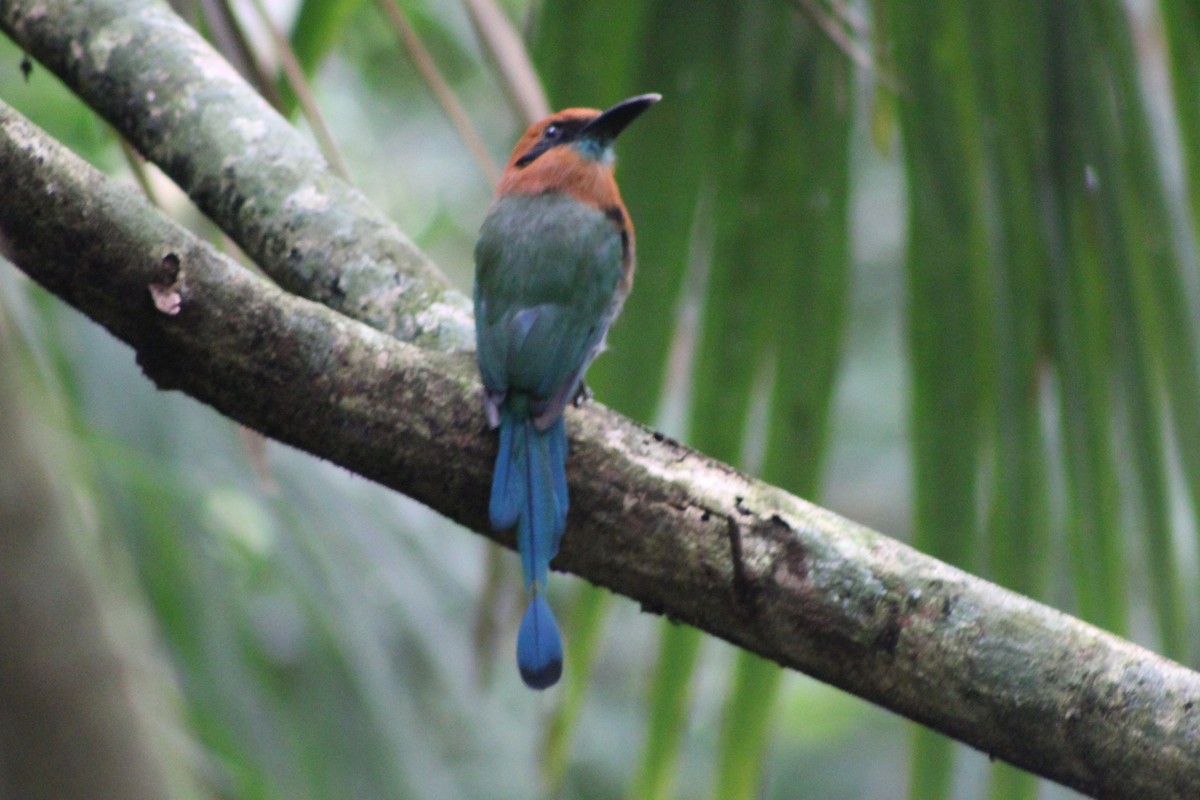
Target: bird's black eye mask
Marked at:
553, 135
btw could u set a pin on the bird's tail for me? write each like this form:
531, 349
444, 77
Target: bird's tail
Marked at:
529, 490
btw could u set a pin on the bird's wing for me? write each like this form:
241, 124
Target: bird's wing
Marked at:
547, 270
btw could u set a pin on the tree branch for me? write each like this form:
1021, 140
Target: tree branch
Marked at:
655, 521
186, 109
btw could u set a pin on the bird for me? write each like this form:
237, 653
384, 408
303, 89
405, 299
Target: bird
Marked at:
554, 263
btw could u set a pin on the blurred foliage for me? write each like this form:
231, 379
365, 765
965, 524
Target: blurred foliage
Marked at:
933, 264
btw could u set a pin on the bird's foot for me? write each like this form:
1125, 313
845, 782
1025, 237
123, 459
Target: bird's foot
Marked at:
582, 395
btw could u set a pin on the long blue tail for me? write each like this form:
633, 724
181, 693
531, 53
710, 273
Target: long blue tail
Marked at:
529, 490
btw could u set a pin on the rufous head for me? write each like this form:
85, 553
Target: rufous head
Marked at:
561, 145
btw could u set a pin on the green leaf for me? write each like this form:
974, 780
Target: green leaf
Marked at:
777, 297
746, 727
318, 27
948, 261
678, 649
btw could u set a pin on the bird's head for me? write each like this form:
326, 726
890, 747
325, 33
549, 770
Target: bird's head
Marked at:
570, 140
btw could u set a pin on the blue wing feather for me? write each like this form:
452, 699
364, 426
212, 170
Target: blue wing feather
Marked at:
508, 478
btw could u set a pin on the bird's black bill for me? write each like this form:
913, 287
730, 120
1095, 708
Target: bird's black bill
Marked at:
612, 121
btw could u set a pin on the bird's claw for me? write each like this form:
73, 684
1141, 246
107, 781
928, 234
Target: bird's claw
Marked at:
582, 395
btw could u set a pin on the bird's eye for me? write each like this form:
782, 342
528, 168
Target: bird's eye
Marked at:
552, 132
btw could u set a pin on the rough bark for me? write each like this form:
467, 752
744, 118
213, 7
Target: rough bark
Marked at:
186, 109
681, 534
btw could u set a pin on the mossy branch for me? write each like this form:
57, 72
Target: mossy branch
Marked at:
186, 109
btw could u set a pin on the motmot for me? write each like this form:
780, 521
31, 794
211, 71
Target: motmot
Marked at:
553, 266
